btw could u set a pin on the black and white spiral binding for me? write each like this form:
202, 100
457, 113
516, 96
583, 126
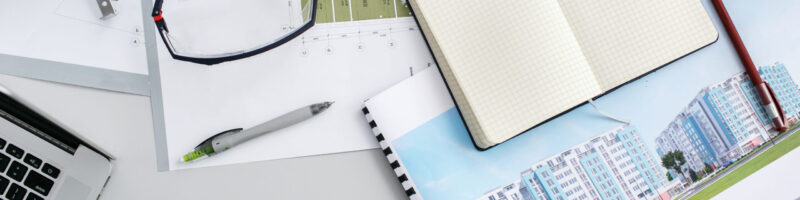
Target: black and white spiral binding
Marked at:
394, 162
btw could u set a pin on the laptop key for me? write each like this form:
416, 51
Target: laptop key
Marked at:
4, 161
33, 161
17, 171
16, 192
50, 170
39, 183
15, 151
3, 184
32, 196
2, 143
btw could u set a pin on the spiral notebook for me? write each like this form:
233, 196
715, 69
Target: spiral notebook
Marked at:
393, 113
511, 65
429, 149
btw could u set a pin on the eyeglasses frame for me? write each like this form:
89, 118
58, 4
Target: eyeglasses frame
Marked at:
161, 26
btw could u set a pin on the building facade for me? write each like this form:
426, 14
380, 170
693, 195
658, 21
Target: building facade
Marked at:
614, 165
726, 120
513, 191
785, 89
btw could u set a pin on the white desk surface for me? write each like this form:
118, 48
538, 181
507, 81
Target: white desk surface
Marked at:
121, 124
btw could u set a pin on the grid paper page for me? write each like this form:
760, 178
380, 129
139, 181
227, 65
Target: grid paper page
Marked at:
515, 63
623, 39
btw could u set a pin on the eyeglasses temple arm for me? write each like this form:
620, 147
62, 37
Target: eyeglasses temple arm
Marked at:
160, 23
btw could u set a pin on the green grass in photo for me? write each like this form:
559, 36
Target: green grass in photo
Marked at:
342, 10
324, 11
750, 167
403, 9
372, 9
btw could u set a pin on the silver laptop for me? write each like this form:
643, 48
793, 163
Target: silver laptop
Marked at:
40, 159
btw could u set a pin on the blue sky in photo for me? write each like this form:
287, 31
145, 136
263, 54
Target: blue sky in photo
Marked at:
447, 166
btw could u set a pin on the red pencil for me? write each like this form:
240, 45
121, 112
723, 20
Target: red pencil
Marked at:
768, 99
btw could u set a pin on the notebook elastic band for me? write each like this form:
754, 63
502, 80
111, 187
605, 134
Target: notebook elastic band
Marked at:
606, 114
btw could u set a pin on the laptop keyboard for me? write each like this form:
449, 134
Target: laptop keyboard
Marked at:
24, 176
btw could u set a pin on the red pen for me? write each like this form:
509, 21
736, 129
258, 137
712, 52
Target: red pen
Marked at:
768, 99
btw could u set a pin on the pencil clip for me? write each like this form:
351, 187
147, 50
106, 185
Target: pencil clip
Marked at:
606, 114
208, 140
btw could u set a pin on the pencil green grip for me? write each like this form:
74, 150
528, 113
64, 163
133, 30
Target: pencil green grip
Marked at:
205, 150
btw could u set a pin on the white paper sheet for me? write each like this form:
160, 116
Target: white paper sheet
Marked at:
71, 32
345, 62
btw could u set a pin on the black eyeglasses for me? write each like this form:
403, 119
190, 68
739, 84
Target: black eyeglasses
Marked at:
303, 16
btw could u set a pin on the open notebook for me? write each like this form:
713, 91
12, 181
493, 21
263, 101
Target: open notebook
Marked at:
511, 65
